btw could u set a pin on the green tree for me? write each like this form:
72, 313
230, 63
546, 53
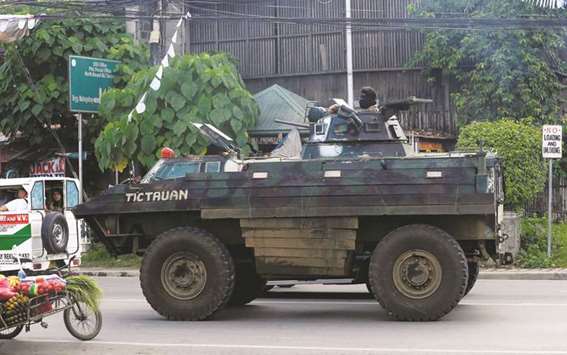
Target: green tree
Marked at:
519, 146
33, 76
194, 89
499, 73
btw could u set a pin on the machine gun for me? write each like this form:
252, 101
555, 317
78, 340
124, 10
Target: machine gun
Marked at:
294, 124
393, 107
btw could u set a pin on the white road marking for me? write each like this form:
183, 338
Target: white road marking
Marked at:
309, 348
360, 303
124, 300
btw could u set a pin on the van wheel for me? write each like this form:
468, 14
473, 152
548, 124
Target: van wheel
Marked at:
418, 273
187, 274
55, 233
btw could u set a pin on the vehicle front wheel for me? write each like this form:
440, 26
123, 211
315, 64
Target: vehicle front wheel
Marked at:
82, 322
418, 273
187, 274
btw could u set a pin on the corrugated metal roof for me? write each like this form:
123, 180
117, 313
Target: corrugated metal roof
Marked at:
275, 103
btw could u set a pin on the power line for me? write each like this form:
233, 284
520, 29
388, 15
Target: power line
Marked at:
121, 9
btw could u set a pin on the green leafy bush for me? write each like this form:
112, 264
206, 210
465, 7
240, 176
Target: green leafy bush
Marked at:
533, 252
499, 73
519, 146
195, 89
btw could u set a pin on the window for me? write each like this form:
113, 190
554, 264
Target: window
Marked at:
340, 129
71, 194
167, 169
212, 167
373, 126
178, 170
38, 196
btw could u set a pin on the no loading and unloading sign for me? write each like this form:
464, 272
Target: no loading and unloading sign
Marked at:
552, 142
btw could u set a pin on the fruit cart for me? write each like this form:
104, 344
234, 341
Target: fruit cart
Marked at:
31, 300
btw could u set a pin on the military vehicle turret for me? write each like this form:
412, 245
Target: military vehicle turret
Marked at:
348, 133
353, 202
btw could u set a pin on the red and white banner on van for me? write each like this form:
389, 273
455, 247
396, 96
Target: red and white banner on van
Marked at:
14, 219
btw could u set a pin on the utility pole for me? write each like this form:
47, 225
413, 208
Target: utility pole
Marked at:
154, 39
350, 76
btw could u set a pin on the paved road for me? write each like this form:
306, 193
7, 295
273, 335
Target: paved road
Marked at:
498, 317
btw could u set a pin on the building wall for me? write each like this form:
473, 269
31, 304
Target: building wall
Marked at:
310, 58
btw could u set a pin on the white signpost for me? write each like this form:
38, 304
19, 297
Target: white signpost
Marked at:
551, 149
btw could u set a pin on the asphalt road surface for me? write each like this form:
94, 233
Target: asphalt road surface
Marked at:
497, 317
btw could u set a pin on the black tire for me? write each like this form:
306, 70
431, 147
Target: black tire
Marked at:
248, 285
55, 233
435, 275
474, 270
82, 322
369, 288
187, 274
11, 333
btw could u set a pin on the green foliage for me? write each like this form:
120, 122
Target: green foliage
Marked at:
534, 244
98, 256
84, 289
30, 103
195, 89
499, 73
519, 146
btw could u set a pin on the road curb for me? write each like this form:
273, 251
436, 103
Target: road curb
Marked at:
110, 273
523, 275
504, 274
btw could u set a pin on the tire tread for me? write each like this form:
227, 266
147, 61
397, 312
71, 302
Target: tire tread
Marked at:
451, 304
212, 244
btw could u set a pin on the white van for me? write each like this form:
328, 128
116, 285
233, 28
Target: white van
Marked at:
39, 228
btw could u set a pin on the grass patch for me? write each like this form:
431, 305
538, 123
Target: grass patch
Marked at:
534, 244
97, 256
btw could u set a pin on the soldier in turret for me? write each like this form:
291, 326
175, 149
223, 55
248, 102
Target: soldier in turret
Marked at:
367, 101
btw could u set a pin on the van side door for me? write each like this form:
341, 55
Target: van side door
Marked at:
36, 215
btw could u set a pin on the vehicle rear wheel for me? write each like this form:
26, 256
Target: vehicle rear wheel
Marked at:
248, 285
418, 273
55, 233
11, 333
187, 274
474, 270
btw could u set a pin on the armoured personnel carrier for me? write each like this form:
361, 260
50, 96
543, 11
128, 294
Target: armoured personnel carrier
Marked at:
354, 202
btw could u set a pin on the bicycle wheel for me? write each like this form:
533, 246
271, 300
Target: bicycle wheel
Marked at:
82, 322
11, 333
